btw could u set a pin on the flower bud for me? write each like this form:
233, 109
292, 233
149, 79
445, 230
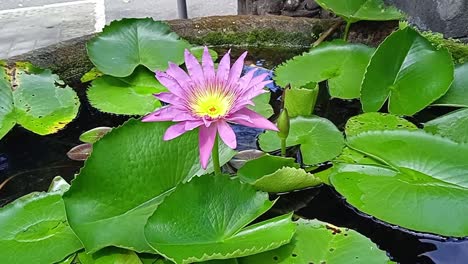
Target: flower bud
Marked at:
283, 124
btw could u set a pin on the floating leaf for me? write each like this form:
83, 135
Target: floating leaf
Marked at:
453, 126
426, 181
319, 242
212, 223
319, 138
276, 174
110, 255
457, 95
376, 121
34, 224
262, 105
80, 152
7, 114
300, 101
408, 71
341, 63
127, 43
132, 95
356, 10
128, 174
93, 135
91, 75
198, 53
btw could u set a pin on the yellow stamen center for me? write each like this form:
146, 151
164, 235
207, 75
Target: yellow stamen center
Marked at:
212, 104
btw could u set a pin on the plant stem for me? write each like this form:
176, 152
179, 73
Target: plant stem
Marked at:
283, 147
215, 157
346, 32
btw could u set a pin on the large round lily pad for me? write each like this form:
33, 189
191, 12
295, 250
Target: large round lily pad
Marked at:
457, 95
355, 10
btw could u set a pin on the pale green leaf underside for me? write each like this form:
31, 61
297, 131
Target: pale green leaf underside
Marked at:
453, 126
276, 174
127, 43
356, 10
427, 179
132, 95
376, 121
408, 71
262, 105
319, 138
35, 224
457, 95
300, 101
212, 224
128, 174
342, 64
319, 242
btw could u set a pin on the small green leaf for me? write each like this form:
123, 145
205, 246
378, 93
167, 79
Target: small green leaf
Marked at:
276, 174
127, 43
212, 223
341, 63
110, 255
457, 95
132, 95
198, 53
7, 115
453, 126
426, 180
408, 71
376, 121
93, 135
34, 224
127, 176
91, 75
319, 138
356, 10
300, 101
319, 242
262, 105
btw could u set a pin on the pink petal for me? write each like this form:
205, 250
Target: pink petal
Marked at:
194, 69
227, 134
169, 98
191, 125
174, 131
245, 80
222, 74
170, 82
166, 113
256, 120
177, 73
255, 91
206, 139
256, 80
236, 69
208, 65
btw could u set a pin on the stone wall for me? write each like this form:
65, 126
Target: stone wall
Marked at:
449, 17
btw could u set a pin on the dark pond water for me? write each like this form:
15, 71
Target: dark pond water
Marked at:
35, 160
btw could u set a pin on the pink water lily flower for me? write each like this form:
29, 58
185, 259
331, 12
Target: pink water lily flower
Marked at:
207, 99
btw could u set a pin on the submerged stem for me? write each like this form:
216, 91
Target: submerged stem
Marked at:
346, 32
283, 147
215, 157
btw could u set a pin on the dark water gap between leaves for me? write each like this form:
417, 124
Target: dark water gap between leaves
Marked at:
35, 160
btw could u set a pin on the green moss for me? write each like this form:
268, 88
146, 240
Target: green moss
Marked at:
458, 49
257, 37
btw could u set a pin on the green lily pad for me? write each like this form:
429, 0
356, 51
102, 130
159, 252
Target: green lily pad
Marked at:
453, 126
37, 102
198, 53
34, 224
356, 10
262, 105
376, 121
132, 95
196, 223
91, 75
425, 182
126, 177
7, 114
407, 70
93, 135
276, 174
319, 242
319, 138
457, 95
341, 63
110, 255
300, 101
127, 43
